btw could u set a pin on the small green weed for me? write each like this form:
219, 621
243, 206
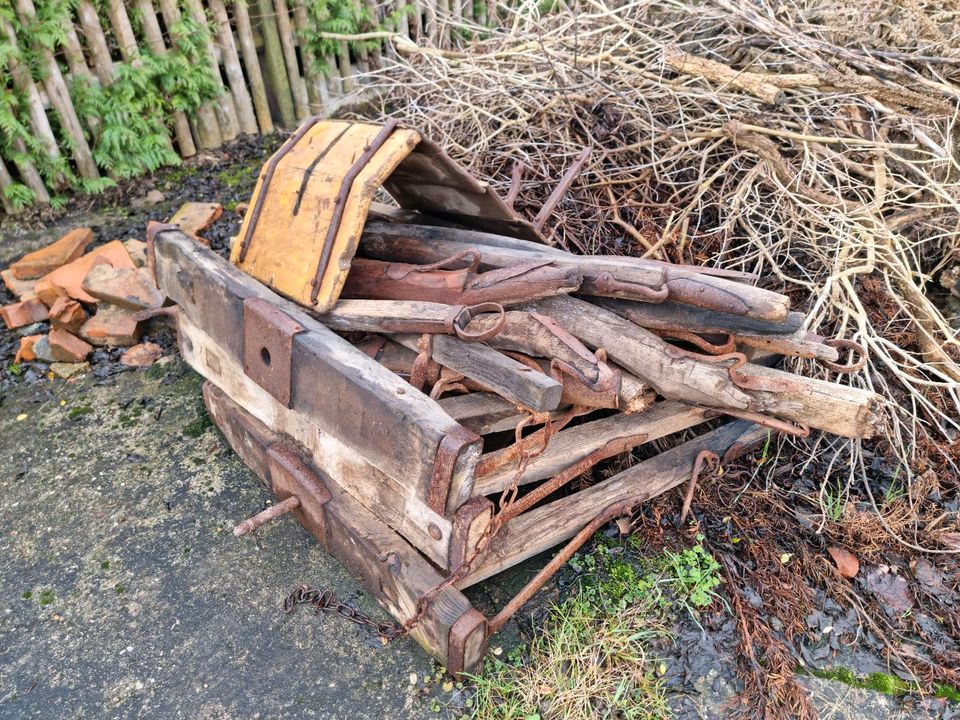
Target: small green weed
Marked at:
833, 500
47, 597
78, 411
694, 575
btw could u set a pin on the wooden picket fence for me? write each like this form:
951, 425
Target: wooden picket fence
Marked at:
267, 75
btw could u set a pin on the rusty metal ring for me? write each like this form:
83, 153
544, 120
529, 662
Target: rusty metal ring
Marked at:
853, 347
467, 313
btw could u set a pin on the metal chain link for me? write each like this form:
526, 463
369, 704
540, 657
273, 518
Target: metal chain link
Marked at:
324, 601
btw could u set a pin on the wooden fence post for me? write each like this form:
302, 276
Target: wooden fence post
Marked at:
276, 67
298, 87
223, 106
154, 36
231, 65
317, 92
28, 172
96, 43
6, 180
208, 129
251, 63
23, 81
59, 97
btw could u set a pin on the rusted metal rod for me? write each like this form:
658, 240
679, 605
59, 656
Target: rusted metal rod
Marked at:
530, 589
281, 508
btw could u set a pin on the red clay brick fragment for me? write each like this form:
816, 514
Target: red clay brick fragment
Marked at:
142, 355
67, 347
67, 314
25, 312
131, 289
112, 326
23, 289
25, 352
47, 259
68, 280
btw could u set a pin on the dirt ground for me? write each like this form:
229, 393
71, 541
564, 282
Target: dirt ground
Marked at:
125, 594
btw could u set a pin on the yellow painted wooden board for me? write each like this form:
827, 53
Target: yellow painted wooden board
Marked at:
285, 247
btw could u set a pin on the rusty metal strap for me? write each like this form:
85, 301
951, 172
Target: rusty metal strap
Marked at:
340, 202
308, 173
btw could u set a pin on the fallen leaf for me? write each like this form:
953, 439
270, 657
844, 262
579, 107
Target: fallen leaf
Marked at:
21, 416
785, 558
846, 561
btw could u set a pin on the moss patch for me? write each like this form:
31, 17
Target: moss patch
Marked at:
877, 681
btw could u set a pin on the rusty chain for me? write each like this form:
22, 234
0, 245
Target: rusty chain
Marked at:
324, 601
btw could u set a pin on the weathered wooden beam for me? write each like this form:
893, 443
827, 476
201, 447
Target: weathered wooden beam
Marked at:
547, 525
346, 393
276, 67
392, 571
511, 379
602, 275
231, 65
251, 64
484, 413
839, 409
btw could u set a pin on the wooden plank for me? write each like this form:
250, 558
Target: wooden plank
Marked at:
391, 570
348, 394
547, 525
485, 413
154, 37
231, 66
395, 504
511, 379
426, 244
251, 63
572, 444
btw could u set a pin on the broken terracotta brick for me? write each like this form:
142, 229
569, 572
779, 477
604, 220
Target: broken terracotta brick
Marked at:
132, 289
26, 353
45, 260
137, 250
22, 289
41, 348
23, 313
67, 314
112, 326
142, 355
67, 347
68, 280
193, 218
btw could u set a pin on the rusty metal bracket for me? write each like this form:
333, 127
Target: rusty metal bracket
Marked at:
451, 447
291, 477
467, 640
855, 349
607, 284
268, 336
340, 202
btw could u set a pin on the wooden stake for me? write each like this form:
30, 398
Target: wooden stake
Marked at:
276, 65
251, 63
207, 127
154, 36
6, 181
39, 122
317, 91
28, 172
298, 87
96, 42
223, 106
231, 65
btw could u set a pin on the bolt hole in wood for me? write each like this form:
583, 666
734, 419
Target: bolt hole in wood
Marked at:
265, 356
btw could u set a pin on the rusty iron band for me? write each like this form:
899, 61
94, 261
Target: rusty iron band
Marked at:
340, 202
449, 451
313, 166
268, 177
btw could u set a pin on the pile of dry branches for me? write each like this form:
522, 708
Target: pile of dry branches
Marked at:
811, 145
